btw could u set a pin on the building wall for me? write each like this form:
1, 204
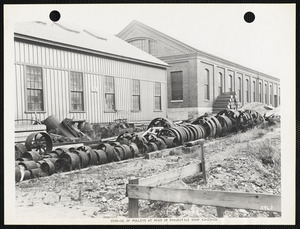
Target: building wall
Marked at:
217, 67
193, 64
57, 64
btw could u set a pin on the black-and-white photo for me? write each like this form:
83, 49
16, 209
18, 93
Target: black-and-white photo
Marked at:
149, 114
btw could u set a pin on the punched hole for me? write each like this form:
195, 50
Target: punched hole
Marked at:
249, 17
54, 15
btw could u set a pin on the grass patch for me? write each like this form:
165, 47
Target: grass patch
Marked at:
267, 152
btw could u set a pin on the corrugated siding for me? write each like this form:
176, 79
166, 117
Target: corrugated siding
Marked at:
57, 65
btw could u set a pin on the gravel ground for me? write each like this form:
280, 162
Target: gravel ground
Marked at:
234, 163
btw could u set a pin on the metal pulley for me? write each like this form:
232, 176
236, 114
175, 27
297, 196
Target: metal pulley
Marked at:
40, 141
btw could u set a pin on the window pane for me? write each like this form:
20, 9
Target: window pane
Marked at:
77, 101
76, 81
109, 84
157, 89
136, 102
206, 84
109, 101
135, 87
177, 85
152, 47
157, 103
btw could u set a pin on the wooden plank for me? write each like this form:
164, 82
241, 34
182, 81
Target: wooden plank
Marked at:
133, 204
33, 128
252, 201
167, 177
194, 143
203, 169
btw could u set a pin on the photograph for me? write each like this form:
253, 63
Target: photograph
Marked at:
149, 114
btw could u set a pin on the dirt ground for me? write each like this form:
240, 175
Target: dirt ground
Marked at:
247, 162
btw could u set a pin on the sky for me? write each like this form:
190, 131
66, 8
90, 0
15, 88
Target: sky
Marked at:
266, 45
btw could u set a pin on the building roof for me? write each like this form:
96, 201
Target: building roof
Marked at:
85, 40
189, 48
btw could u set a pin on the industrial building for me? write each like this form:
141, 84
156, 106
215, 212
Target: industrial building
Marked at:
70, 72
195, 78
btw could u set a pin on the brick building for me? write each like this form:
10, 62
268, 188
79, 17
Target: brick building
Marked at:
196, 78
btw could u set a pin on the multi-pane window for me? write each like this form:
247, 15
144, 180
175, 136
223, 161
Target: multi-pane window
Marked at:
109, 94
144, 44
177, 85
206, 84
247, 90
140, 43
266, 94
157, 96
230, 83
136, 103
76, 80
220, 83
259, 92
34, 90
240, 88
270, 92
253, 91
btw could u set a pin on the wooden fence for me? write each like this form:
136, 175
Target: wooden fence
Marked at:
148, 189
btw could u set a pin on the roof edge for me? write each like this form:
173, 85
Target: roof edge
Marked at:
86, 50
199, 52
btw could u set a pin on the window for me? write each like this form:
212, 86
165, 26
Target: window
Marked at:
220, 83
76, 91
278, 95
253, 91
230, 83
247, 90
109, 94
240, 89
206, 84
145, 44
157, 96
177, 85
266, 94
259, 92
270, 92
34, 90
140, 43
136, 104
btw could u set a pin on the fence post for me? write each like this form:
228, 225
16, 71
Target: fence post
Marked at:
220, 212
133, 204
203, 162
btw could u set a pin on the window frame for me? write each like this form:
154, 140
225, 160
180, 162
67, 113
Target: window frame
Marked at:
43, 90
155, 83
110, 93
83, 93
220, 83
247, 91
134, 95
260, 92
230, 82
270, 94
254, 91
148, 47
206, 85
266, 93
240, 88
176, 100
